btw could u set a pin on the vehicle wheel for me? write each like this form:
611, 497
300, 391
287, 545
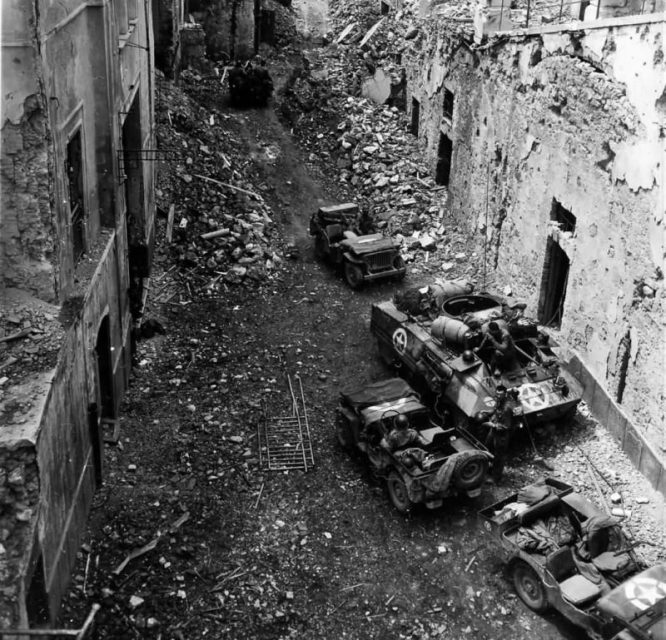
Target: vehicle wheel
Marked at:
398, 492
569, 416
529, 587
470, 472
353, 275
319, 248
344, 434
399, 263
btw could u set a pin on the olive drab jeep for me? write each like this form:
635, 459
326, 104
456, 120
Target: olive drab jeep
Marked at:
361, 258
565, 553
446, 462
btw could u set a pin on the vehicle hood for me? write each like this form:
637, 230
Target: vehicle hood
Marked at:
380, 392
640, 601
368, 244
537, 396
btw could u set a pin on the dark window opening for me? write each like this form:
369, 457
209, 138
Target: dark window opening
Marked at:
563, 217
553, 285
37, 602
448, 105
267, 27
625, 354
416, 116
444, 155
384, 8
74, 172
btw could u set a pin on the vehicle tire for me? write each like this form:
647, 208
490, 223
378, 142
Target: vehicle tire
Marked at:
399, 263
353, 275
569, 416
470, 472
529, 587
397, 490
344, 433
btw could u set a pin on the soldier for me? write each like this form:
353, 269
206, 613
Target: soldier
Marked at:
237, 84
503, 348
264, 83
498, 431
402, 435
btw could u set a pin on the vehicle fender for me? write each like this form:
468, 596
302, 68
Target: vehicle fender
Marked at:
352, 258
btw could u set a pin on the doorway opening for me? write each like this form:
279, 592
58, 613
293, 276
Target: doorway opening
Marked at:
139, 258
553, 285
444, 155
103, 354
37, 601
416, 116
564, 217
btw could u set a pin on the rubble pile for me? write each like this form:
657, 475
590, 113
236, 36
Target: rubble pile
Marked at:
30, 337
218, 223
369, 145
19, 484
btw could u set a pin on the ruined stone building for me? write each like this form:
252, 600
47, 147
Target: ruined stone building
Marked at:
76, 237
551, 140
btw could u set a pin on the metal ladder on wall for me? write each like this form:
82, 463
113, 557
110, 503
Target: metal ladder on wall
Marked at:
284, 441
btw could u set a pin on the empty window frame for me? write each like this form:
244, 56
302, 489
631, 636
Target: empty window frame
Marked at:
444, 157
447, 108
416, 116
74, 173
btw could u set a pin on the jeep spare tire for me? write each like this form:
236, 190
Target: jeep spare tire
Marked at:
353, 275
470, 471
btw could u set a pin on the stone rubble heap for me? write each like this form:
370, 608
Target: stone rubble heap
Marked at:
369, 144
222, 228
19, 486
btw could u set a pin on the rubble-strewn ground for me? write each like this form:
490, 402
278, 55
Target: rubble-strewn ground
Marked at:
240, 553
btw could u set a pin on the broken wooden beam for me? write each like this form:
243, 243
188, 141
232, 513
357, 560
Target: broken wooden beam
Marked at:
169, 229
226, 184
23, 333
215, 234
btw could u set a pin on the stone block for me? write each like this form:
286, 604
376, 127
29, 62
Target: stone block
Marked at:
599, 403
651, 466
616, 422
633, 446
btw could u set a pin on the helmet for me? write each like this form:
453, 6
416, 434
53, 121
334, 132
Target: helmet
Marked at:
468, 356
401, 422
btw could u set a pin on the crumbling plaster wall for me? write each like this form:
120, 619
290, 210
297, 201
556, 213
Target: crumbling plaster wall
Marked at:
577, 118
75, 87
27, 257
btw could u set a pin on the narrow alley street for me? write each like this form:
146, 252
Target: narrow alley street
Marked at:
238, 552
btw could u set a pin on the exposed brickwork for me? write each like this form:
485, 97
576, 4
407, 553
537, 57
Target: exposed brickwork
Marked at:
19, 488
27, 238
